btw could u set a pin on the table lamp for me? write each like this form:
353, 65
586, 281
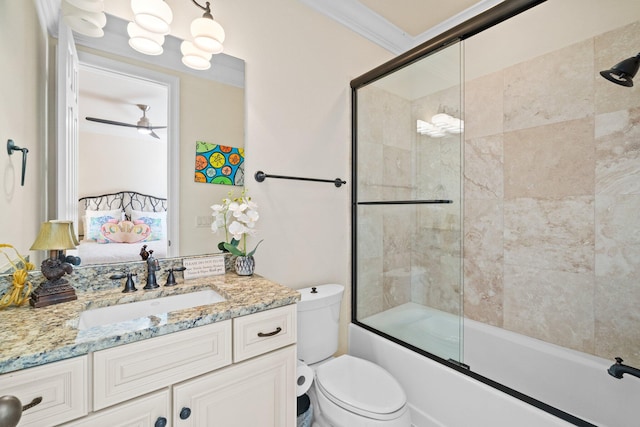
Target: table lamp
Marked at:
54, 236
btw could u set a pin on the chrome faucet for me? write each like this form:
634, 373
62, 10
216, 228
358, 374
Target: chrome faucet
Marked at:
152, 266
618, 369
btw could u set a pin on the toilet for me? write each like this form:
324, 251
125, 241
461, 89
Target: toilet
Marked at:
348, 391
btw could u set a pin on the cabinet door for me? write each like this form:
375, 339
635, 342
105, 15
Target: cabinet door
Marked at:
62, 387
125, 372
259, 392
150, 411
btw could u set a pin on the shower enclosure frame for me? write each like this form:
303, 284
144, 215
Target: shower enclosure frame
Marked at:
483, 21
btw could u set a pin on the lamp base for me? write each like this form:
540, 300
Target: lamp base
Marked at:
52, 292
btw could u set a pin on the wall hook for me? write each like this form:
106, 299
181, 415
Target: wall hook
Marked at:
11, 147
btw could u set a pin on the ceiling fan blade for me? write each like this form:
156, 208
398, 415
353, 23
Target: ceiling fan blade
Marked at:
153, 134
157, 127
110, 122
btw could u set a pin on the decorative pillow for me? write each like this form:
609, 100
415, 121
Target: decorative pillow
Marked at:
157, 221
124, 232
94, 220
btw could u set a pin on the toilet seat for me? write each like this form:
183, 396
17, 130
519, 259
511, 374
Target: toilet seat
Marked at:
361, 387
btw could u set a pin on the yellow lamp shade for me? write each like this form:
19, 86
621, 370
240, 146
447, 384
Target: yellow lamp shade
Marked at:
54, 236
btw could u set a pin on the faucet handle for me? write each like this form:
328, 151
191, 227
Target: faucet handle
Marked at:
619, 360
129, 285
171, 278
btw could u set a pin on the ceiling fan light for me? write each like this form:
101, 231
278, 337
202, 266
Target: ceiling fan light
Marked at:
208, 35
152, 15
144, 41
144, 131
193, 57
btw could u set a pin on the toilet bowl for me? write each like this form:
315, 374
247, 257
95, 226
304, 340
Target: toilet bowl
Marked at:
347, 391
353, 392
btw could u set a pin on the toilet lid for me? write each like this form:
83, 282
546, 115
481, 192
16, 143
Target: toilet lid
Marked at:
360, 386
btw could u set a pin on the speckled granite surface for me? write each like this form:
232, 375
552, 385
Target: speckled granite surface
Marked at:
31, 337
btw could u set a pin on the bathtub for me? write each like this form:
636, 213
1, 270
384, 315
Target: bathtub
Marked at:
569, 381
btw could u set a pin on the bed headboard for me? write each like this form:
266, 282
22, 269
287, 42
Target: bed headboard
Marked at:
124, 200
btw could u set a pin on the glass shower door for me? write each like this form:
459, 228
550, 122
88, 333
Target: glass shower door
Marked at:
407, 210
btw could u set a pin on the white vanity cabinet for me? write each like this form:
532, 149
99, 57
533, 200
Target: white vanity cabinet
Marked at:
258, 389
62, 387
233, 373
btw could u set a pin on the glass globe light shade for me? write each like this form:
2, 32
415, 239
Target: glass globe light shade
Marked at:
193, 57
87, 23
144, 41
152, 15
208, 35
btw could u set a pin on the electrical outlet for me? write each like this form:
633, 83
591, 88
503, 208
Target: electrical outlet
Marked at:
204, 221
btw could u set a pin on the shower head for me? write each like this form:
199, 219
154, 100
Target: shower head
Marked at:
623, 72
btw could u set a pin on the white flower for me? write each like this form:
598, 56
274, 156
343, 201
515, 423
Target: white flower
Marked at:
238, 217
237, 229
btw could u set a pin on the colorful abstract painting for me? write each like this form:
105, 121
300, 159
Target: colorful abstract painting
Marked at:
219, 164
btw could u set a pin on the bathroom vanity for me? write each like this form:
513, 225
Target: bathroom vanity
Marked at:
227, 363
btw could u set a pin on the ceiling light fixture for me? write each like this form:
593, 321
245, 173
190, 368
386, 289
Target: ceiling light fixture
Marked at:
441, 125
152, 15
208, 35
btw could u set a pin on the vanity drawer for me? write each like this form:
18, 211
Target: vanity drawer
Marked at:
262, 332
61, 385
124, 372
144, 411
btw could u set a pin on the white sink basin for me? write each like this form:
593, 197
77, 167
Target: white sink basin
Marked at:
153, 307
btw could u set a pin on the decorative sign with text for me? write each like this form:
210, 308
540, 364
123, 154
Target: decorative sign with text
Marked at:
203, 267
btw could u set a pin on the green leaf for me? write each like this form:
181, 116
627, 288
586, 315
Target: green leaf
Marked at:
254, 249
233, 249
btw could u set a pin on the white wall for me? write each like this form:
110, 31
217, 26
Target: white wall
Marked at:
22, 118
298, 68
109, 164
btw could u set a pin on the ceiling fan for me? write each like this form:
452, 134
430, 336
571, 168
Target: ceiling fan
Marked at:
143, 125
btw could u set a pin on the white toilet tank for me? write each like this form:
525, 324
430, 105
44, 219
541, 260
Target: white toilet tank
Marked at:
318, 322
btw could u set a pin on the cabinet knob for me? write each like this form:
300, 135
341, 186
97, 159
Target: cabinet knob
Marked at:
160, 422
185, 413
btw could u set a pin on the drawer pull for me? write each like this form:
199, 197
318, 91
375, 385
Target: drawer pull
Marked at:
33, 403
160, 422
185, 413
270, 334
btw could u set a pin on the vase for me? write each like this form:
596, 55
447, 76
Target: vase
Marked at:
245, 265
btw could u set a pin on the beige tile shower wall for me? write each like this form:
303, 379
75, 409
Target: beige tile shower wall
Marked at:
386, 172
552, 195
436, 256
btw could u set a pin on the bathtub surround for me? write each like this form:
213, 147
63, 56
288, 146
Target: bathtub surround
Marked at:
546, 176
556, 215
550, 201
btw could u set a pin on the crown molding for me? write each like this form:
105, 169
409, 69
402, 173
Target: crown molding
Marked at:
370, 25
48, 11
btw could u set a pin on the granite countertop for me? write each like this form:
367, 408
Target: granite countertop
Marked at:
30, 337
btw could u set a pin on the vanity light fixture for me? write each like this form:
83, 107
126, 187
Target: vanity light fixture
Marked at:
85, 16
623, 72
55, 237
144, 41
152, 15
208, 35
